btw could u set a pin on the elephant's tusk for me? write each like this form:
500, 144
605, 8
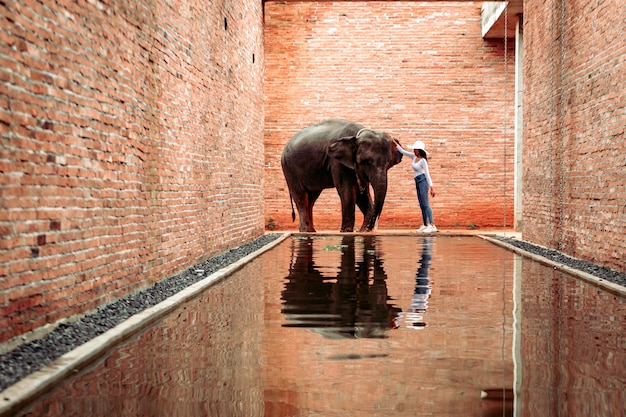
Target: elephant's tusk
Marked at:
359, 132
360, 183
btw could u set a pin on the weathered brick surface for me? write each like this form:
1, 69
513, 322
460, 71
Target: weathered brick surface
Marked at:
416, 70
131, 147
574, 105
132, 132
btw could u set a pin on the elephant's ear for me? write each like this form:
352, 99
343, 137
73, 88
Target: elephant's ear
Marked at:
344, 151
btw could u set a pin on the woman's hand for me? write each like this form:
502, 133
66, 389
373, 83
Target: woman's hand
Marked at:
432, 192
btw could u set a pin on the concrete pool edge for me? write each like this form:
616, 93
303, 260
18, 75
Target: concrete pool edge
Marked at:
606, 285
27, 389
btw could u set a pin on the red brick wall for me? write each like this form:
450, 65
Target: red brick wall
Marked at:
416, 70
131, 147
124, 130
574, 167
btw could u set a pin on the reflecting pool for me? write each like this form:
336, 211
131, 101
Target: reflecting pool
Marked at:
370, 325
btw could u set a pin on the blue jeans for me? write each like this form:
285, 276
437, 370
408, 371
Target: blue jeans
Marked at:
421, 186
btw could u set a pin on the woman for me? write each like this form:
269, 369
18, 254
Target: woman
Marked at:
422, 183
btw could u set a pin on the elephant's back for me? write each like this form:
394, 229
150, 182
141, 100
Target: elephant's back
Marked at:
316, 137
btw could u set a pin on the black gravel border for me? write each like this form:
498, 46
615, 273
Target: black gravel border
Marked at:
34, 355
598, 271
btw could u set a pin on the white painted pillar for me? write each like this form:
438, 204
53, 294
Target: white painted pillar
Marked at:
519, 122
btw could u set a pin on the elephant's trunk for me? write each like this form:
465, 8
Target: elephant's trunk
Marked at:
380, 192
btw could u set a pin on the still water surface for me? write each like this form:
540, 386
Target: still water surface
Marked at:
366, 325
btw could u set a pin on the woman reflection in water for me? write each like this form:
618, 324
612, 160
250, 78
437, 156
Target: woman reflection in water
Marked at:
419, 304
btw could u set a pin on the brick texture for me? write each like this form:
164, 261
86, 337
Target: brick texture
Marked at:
574, 169
131, 147
416, 70
141, 137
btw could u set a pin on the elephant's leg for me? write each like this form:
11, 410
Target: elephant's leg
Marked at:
300, 199
366, 205
303, 199
303, 206
304, 203
347, 195
311, 199
345, 182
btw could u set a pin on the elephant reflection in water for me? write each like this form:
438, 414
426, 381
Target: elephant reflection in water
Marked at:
414, 317
354, 304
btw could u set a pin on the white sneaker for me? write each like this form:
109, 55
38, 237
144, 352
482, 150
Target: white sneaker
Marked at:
422, 227
430, 229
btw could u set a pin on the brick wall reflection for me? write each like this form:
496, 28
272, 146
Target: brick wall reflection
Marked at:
205, 359
573, 346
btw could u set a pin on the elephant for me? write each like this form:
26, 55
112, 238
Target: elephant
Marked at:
344, 155
354, 304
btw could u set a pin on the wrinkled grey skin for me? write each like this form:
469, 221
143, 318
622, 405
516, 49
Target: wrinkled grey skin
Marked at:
342, 155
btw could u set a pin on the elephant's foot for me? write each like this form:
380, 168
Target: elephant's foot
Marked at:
307, 227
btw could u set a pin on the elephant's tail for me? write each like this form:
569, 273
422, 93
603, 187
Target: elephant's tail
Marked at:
293, 212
